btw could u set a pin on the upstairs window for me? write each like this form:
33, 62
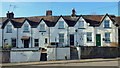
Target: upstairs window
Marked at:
42, 27
26, 28
107, 37
61, 38
9, 29
81, 24
89, 37
106, 23
61, 25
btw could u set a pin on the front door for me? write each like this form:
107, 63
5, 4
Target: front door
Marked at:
71, 39
98, 40
26, 43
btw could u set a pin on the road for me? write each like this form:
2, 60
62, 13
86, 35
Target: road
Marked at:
97, 64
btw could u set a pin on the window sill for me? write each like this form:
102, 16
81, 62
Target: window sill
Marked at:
42, 31
107, 42
108, 27
8, 32
61, 28
26, 31
90, 42
81, 28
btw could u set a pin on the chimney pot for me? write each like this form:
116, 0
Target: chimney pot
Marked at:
73, 12
48, 13
10, 15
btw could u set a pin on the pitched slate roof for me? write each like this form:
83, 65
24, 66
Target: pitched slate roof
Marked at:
117, 19
51, 21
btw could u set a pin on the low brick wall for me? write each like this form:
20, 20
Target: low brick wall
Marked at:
99, 52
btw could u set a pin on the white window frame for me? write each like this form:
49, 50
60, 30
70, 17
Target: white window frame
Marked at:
26, 28
61, 38
36, 42
41, 27
9, 29
107, 37
61, 25
107, 23
89, 36
81, 24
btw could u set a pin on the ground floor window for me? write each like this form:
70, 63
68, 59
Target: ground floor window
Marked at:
13, 40
5, 41
36, 42
61, 38
89, 36
46, 41
107, 37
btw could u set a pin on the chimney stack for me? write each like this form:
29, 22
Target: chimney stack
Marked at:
10, 15
73, 12
48, 13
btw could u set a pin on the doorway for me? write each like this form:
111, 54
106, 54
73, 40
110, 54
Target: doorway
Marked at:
98, 39
71, 39
26, 43
43, 57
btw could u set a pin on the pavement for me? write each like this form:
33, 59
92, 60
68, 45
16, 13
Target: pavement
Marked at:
60, 62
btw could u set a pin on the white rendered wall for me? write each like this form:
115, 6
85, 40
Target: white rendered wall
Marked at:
58, 53
24, 56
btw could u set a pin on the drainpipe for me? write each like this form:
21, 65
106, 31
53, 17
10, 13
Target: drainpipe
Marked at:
68, 36
31, 38
2, 37
94, 36
17, 37
49, 36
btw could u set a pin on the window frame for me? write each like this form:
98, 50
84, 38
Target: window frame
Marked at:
89, 37
43, 29
36, 42
107, 24
9, 29
107, 37
61, 26
81, 24
46, 40
61, 38
26, 29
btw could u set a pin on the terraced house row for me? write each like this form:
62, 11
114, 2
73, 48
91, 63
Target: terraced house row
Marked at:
69, 30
